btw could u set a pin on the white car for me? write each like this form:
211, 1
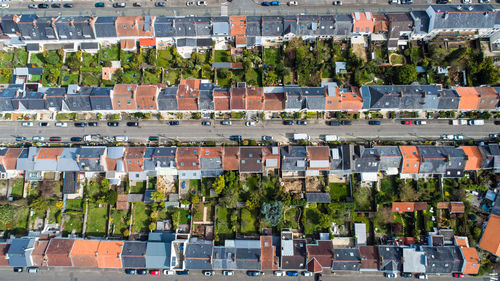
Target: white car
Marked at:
459, 137
4, 6
201, 3
168, 272
292, 3
447, 137
38, 138
190, 3
228, 273
61, 124
307, 273
27, 124
209, 273
250, 123
466, 1
279, 273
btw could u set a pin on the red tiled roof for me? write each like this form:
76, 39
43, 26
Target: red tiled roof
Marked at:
457, 207
49, 153
267, 154
222, 100
123, 97
230, 161
238, 98
146, 97
147, 42
403, 207
323, 252
411, 160
318, 153
369, 257
84, 253
469, 97
255, 99
274, 101
269, 261
488, 98
238, 25
109, 254
351, 100
58, 252
211, 152
188, 158
134, 159
474, 157
10, 158
471, 259
188, 93
131, 26
314, 266
363, 22
127, 44
38, 253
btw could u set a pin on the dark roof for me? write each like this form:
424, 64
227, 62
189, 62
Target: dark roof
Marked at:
167, 99
318, 197
17, 251
298, 260
36, 28
346, 259
198, 255
89, 46
443, 259
74, 28
58, 252
133, 254
100, 98
70, 182
9, 26
164, 27
33, 47
251, 159
248, 258
105, 27
390, 258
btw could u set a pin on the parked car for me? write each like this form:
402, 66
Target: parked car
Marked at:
32, 269
334, 123
226, 122
130, 271
154, 272
183, 272
458, 137
190, 3
420, 122
142, 271
55, 138
93, 124
168, 272
346, 122
235, 138
250, 123
27, 124
160, 4
136, 4
113, 124
319, 277
76, 139
292, 3
292, 273
422, 276
80, 124
458, 275
406, 122
4, 6
406, 275
307, 273
43, 6
55, 5
275, 3
37, 138
20, 138
119, 5
494, 136
201, 3
228, 273
132, 124
374, 123
44, 124
254, 273
153, 138
32, 6
61, 124
174, 123
206, 123
209, 273
99, 5
288, 122
18, 269
337, 3
442, 2
265, 3
390, 275
267, 138
68, 5
301, 122
279, 273
497, 122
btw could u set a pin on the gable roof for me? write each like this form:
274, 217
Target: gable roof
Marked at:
130, 26
84, 253
58, 252
471, 260
322, 251
474, 157
108, 254
469, 97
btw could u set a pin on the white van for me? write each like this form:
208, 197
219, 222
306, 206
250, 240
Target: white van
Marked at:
121, 138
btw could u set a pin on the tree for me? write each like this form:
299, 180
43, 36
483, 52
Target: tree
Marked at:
118, 76
39, 204
195, 199
405, 74
152, 226
126, 233
253, 202
325, 221
151, 57
219, 184
158, 196
111, 197
384, 215
408, 193
273, 212
230, 198
52, 76
73, 62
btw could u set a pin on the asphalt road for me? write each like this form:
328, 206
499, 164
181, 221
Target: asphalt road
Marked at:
218, 7
113, 275
192, 130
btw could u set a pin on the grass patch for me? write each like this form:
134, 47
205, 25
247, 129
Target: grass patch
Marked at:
119, 223
91, 78
290, 218
96, 221
139, 187
6, 75
37, 59
89, 60
20, 57
222, 56
338, 191
74, 204
223, 224
132, 77
54, 214
171, 76
271, 56
194, 186
362, 199
396, 59
141, 218
253, 77
198, 212
248, 221
73, 222
110, 54
17, 188
68, 78
164, 58
6, 59
152, 76
312, 220
93, 188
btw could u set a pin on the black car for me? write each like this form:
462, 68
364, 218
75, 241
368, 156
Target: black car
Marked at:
333, 123
301, 122
442, 1
119, 5
253, 273
288, 123
44, 124
497, 122
55, 5
235, 138
43, 6
206, 123
346, 122
130, 271
319, 277
93, 124
174, 123
406, 275
136, 4
76, 139
113, 124
153, 138
133, 124
18, 269
183, 272
142, 271
80, 124
373, 122
68, 5
160, 4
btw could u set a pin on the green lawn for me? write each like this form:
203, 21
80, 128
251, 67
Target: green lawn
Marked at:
37, 59
35, 78
312, 219
223, 223
152, 76
89, 60
198, 212
119, 223
17, 187
290, 219
253, 78
140, 187
141, 218
194, 186
110, 54
6, 75
91, 78
73, 222
362, 199
248, 222
55, 214
96, 220
74, 204
125, 58
21, 219
93, 188
171, 76
20, 57
6, 59
338, 191
164, 58
68, 78
271, 56
131, 77
222, 56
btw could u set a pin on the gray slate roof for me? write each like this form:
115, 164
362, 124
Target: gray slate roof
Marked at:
133, 254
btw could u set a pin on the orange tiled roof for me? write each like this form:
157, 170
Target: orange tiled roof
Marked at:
469, 97
238, 25
488, 97
108, 254
188, 158
134, 159
127, 44
351, 100
461, 241
222, 100
457, 207
84, 253
363, 22
107, 72
38, 253
255, 99
143, 42
240, 40
267, 153
381, 23
123, 97
274, 101
314, 266
474, 157
230, 161
10, 158
443, 205
188, 93
471, 260
212, 152
490, 241
333, 100
403, 207
238, 100
146, 97
134, 26
411, 159
318, 153
49, 153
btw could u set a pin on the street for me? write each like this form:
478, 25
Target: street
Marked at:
115, 275
192, 130
217, 8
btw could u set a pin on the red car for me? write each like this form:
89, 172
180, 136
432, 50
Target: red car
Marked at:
55, 139
154, 272
407, 122
458, 275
